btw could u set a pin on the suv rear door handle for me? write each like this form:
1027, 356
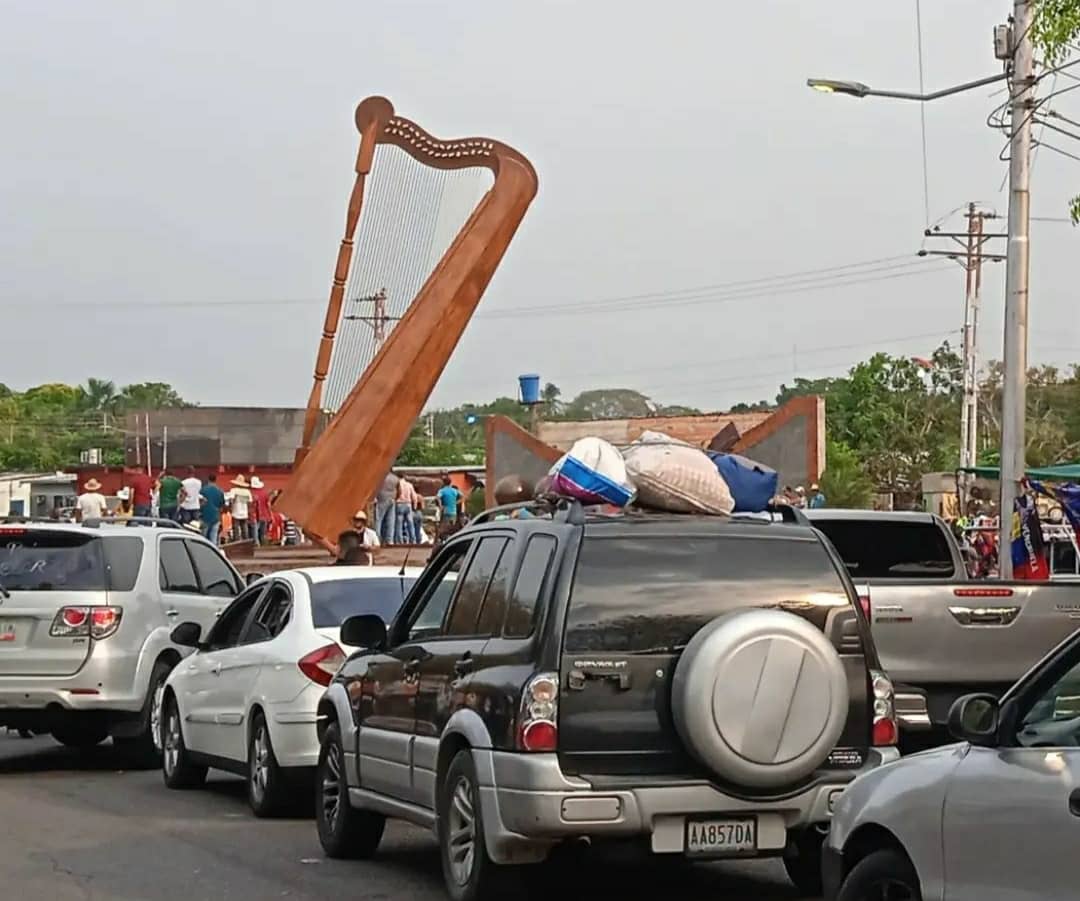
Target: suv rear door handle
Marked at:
464, 666
984, 616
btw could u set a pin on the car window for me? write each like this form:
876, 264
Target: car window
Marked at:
335, 600
427, 619
273, 614
229, 628
123, 559
895, 550
654, 592
177, 572
532, 579
51, 560
1053, 719
465, 613
215, 574
493, 610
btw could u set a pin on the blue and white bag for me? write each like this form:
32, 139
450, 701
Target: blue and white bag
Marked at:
594, 472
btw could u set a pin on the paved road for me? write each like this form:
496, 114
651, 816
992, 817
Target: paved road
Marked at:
82, 830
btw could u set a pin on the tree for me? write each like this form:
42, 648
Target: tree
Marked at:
550, 396
150, 396
610, 403
845, 481
99, 396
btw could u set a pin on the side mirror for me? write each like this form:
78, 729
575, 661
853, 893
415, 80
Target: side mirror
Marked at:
364, 631
252, 578
975, 719
186, 635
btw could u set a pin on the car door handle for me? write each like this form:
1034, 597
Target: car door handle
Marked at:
984, 616
216, 669
464, 666
172, 612
1074, 802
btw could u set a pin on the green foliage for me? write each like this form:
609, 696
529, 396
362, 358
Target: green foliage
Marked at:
48, 426
845, 482
1054, 30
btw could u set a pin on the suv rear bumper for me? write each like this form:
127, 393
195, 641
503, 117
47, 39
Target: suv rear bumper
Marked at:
106, 681
529, 805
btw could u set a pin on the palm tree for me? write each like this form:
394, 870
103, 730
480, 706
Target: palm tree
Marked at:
99, 395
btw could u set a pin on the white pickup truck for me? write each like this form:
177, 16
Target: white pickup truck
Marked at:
939, 633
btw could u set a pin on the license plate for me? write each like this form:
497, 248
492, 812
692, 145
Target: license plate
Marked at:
721, 838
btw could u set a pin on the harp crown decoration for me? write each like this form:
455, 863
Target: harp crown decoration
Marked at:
340, 472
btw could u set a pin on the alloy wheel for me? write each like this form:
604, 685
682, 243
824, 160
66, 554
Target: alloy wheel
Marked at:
260, 763
172, 741
331, 787
156, 701
461, 834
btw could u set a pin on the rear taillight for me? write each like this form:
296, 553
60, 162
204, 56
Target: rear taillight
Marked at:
538, 720
322, 665
86, 622
885, 731
864, 602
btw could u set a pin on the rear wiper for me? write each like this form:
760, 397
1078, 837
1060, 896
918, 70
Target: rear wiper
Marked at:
660, 649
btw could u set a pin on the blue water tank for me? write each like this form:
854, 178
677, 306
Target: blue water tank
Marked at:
530, 389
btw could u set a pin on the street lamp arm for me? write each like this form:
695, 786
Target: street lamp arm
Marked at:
857, 89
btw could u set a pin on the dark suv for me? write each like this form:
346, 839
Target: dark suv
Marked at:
705, 685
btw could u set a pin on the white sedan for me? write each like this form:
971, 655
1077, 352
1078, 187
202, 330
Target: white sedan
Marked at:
246, 700
994, 818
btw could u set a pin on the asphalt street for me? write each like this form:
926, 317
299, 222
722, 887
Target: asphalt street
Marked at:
78, 828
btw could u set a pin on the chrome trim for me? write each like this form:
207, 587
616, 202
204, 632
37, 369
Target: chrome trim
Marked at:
912, 712
391, 807
984, 616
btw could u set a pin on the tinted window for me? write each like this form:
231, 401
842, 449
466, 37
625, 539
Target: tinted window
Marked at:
123, 559
51, 561
177, 573
215, 574
889, 550
1063, 556
530, 584
1054, 717
465, 616
273, 615
428, 618
654, 593
334, 602
226, 632
494, 610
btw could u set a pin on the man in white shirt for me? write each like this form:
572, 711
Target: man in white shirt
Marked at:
371, 538
91, 503
190, 497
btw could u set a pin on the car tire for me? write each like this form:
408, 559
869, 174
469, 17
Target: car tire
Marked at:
82, 736
469, 874
344, 831
802, 860
268, 784
177, 767
143, 751
886, 873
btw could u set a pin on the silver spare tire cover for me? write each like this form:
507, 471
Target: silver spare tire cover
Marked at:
760, 697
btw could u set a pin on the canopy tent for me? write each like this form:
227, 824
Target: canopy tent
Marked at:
1065, 472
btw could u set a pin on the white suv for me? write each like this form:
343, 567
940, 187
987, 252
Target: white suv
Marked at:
86, 613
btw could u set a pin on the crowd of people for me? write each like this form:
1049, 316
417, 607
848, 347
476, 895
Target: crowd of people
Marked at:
799, 497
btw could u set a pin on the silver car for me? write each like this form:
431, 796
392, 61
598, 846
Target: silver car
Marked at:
86, 613
994, 818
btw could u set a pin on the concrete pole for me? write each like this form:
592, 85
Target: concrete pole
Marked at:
1014, 394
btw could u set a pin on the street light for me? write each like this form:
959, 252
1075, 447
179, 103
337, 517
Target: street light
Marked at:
1014, 46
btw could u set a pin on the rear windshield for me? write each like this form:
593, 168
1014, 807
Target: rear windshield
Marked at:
334, 602
890, 550
652, 594
65, 561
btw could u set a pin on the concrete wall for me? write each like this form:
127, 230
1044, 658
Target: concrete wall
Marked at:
513, 451
696, 430
209, 436
791, 441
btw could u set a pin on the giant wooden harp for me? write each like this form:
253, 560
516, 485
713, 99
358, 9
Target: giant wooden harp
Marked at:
341, 470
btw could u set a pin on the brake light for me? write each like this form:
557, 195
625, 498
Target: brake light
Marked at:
322, 665
539, 715
983, 592
885, 732
86, 622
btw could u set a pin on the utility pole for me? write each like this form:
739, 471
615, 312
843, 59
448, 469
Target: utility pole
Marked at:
1014, 394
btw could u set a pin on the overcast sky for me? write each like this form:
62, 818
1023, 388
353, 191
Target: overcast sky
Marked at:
172, 153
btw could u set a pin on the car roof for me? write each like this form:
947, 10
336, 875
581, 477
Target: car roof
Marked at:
96, 528
825, 515
335, 573
682, 524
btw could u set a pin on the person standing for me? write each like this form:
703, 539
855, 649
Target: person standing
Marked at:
448, 499
260, 512
213, 502
368, 538
125, 510
168, 494
418, 518
91, 503
386, 508
403, 519
190, 497
241, 508
141, 488
817, 497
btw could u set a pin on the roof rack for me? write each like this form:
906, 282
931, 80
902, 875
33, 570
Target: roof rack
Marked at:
559, 508
15, 519
151, 521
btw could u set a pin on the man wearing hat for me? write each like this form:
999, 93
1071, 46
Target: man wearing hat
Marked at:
241, 508
369, 537
91, 503
817, 498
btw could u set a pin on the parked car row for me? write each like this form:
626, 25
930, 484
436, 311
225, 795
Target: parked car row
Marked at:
710, 688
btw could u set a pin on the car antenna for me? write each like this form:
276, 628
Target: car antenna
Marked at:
405, 562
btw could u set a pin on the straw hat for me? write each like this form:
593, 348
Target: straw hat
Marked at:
360, 514
193, 526
256, 482
92, 485
240, 481
123, 494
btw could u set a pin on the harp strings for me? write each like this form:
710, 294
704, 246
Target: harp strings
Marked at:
411, 215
